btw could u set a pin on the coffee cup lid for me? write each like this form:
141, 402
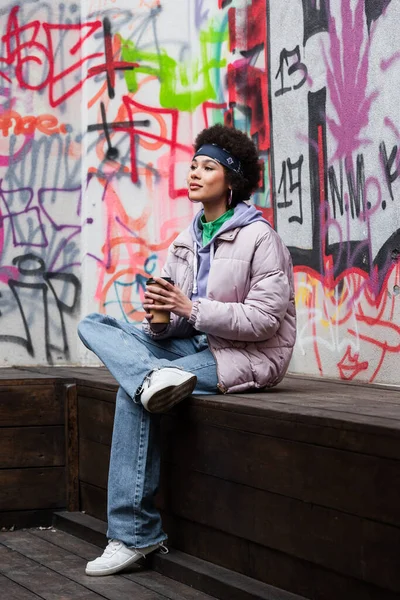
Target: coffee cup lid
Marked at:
151, 281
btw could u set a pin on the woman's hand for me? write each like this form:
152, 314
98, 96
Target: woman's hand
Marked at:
168, 297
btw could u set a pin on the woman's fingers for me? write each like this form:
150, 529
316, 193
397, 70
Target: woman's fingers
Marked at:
164, 296
167, 297
164, 284
151, 292
154, 294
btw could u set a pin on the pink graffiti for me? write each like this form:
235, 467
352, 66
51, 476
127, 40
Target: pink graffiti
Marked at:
347, 77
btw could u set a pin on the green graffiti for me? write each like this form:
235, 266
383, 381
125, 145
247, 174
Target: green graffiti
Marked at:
182, 86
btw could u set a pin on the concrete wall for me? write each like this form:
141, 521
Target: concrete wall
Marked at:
99, 103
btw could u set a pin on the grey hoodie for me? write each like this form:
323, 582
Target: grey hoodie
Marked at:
203, 255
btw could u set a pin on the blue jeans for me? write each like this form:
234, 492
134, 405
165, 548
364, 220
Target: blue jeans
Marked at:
129, 354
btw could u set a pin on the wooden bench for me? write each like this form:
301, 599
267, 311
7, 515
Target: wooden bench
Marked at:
297, 487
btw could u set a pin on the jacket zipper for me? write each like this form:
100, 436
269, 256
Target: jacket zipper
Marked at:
219, 385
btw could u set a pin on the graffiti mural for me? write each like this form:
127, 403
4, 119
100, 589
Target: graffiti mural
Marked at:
335, 157
40, 180
99, 104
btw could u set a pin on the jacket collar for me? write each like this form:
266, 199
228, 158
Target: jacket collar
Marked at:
185, 239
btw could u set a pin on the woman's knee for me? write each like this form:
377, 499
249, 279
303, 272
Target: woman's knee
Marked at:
86, 325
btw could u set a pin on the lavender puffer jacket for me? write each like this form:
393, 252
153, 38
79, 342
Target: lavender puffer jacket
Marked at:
249, 314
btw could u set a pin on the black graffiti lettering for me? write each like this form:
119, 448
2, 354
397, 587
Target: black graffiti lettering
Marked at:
388, 162
293, 68
374, 9
112, 152
355, 188
316, 17
18, 289
296, 185
357, 196
69, 280
289, 167
25, 342
336, 193
282, 182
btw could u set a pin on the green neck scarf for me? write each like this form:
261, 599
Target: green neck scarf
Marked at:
212, 227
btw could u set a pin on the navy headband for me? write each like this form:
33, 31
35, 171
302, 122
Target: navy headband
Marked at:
220, 155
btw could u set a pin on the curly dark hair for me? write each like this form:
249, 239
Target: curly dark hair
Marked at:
242, 147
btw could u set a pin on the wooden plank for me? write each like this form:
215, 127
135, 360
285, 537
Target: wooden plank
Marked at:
337, 479
231, 413
72, 567
220, 582
93, 500
16, 375
255, 561
93, 463
13, 591
292, 383
268, 565
28, 489
59, 372
355, 437
106, 382
32, 447
328, 403
71, 447
37, 578
309, 397
332, 396
97, 377
355, 386
345, 481
82, 526
260, 405
299, 413
348, 437
331, 403
174, 590
96, 419
352, 546
99, 393
30, 405
20, 519
94, 410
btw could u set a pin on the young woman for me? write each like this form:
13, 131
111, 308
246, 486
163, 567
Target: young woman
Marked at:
232, 328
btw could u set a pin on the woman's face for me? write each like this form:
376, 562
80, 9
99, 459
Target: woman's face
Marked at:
206, 181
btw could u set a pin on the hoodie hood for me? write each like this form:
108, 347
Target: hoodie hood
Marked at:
244, 215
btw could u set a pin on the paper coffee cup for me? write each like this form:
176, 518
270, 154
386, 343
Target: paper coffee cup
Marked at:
159, 316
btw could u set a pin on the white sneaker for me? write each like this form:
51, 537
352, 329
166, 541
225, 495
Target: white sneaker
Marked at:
117, 557
165, 387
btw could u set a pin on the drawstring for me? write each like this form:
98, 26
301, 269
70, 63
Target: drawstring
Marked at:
195, 268
162, 548
212, 251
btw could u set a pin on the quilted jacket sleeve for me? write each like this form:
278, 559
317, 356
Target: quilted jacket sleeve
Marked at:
259, 316
178, 326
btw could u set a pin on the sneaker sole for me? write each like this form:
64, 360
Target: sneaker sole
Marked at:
113, 570
118, 568
165, 399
